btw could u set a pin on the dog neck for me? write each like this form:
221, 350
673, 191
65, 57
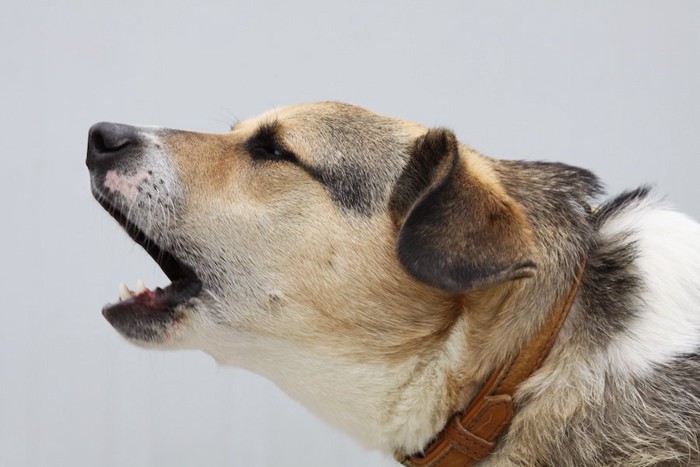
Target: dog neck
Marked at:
471, 436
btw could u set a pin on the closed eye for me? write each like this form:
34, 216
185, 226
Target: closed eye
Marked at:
271, 153
265, 145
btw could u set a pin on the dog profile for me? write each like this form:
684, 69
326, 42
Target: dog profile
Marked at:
379, 271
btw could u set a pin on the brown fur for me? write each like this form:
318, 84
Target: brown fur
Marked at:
404, 267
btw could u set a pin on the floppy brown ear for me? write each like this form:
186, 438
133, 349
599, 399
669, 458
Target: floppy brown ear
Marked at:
459, 232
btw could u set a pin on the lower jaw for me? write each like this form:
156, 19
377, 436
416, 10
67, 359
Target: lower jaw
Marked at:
142, 324
150, 316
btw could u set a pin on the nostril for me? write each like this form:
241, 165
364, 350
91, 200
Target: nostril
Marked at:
106, 141
111, 137
108, 144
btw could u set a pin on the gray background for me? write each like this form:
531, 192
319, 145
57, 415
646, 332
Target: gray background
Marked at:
608, 85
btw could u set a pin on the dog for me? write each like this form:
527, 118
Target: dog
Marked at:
380, 272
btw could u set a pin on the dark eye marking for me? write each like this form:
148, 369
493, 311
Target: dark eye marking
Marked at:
264, 145
271, 153
349, 185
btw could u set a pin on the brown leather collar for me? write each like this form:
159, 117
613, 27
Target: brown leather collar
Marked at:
471, 436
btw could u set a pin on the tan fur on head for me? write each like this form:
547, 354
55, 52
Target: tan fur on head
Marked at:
377, 270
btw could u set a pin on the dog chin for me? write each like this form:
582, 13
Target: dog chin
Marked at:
145, 318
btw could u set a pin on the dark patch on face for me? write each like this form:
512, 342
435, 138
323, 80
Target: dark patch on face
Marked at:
346, 183
358, 158
266, 145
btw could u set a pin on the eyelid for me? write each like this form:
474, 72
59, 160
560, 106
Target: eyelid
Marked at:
271, 152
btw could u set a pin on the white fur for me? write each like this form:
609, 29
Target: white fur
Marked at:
668, 323
358, 398
267, 300
149, 133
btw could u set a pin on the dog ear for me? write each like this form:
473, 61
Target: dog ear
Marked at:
458, 232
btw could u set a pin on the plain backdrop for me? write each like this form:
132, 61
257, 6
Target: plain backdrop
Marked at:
609, 85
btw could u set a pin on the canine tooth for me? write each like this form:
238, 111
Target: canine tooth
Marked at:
124, 292
140, 287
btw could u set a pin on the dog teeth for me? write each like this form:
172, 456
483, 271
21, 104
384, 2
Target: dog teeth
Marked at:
124, 292
140, 287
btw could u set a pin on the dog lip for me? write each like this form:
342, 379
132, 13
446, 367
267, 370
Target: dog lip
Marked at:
158, 300
139, 315
149, 315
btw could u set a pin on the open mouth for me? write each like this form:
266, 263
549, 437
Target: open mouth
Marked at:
137, 304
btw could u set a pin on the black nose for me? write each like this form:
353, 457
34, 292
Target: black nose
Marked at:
107, 142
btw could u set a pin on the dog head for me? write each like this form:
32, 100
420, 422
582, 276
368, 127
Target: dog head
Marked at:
293, 221
316, 244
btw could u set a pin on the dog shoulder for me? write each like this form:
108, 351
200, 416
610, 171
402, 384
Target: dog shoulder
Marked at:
666, 243
624, 381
